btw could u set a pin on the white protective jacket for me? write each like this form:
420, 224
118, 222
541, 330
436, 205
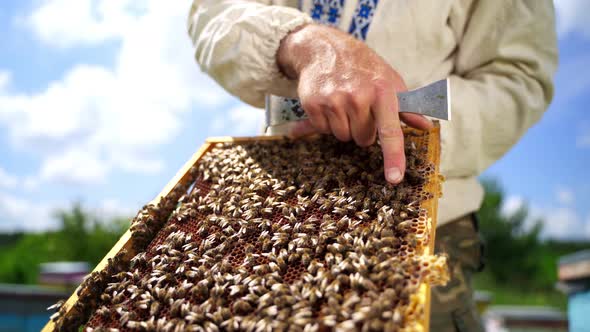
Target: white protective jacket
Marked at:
500, 57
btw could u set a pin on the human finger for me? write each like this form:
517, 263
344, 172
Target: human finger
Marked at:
337, 118
362, 123
302, 128
385, 112
416, 121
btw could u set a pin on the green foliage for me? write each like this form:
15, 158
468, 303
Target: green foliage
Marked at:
507, 294
521, 268
7, 240
514, 251
82, 237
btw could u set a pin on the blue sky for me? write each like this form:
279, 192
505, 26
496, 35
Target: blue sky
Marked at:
101, 102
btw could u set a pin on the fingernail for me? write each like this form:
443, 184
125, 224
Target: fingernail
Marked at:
393, 175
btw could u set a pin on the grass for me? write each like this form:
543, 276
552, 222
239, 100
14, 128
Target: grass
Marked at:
503, 294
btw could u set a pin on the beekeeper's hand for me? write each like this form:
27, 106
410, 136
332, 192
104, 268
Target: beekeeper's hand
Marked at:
346, 89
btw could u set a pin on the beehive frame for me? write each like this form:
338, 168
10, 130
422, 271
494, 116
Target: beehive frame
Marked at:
125, 243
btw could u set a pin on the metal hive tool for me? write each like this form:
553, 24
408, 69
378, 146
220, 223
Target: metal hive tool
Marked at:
269, 234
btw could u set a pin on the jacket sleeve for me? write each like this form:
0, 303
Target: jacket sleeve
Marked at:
502, 83
236, 41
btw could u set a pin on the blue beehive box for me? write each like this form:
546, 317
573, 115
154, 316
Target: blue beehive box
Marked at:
574, 279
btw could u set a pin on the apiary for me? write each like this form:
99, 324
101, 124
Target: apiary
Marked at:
271, 234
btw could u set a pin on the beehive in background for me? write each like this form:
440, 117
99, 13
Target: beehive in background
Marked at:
271, 234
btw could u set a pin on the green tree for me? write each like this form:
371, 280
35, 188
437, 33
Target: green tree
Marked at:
82, 237
514, 248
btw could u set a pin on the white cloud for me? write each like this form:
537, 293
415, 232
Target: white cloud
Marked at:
11, 181
563, 223
242, 120
583, 138
24, 215
76, 166
512, 204
5, 78
573, 16
30, 183
95, 120
559, 221
89, 21
18, 214
112, 208
583, 141
140, 165
565, 196
7, 180
64, 111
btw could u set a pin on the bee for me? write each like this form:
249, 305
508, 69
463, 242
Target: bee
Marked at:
200, 291
103, 311
405, 225
57, 305
280, 239
343, 224
241, 307
293, 257
336, 248
155, 308
340, 211
362, 215
319, 193
175, 308
106, 298
314, 266
261, 269
326, 205
330, 259
184, 287
306, 258
355, 223
57, 315
134, 325
299, 209
118, 297
217, 291
125, 316
195, 317
339, 200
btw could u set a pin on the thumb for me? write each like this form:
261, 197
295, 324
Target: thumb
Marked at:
302, 128
416, 121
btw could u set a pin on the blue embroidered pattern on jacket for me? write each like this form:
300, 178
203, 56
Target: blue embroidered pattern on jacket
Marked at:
327, 12
363, 16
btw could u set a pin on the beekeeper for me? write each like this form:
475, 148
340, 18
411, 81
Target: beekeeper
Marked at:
346, 59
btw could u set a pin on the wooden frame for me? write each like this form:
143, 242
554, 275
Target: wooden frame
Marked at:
431, 205
434, 187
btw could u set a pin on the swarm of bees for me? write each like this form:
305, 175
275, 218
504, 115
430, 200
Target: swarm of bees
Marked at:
277, 235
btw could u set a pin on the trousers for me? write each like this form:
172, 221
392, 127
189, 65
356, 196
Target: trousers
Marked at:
452, 306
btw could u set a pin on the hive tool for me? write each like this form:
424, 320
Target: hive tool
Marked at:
433, 100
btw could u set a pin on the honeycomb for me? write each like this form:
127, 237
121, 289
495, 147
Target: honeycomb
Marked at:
279, 235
